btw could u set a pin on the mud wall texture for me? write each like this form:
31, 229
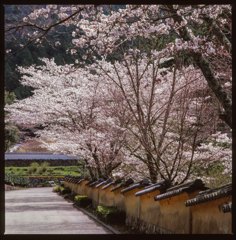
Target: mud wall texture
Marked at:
169, 215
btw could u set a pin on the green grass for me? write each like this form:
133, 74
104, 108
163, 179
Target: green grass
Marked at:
49, 171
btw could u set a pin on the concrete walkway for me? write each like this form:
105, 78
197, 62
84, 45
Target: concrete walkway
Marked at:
41, 211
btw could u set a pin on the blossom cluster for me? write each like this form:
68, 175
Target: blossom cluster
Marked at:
115, 114
145, 112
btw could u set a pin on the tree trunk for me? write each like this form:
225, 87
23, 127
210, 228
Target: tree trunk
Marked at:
215, 86
151, 169
204, 65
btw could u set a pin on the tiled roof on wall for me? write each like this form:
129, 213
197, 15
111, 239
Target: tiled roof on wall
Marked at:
103, 182
96, 182
157, 186
81, 180
90, 181
123, 184
108, 185
140, 184
186, 187
210, 194
78, 179
133, 186
227, 207
113, 182
72, 179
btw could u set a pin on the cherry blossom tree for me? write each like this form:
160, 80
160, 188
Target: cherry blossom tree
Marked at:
166, 120
202, 32
74, 109
130, 113
147, 100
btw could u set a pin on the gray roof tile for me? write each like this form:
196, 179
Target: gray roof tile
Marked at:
103, 182
186, 187
157, 186
227, 207
140, 184
108, 185
210, 194
94, 183
123, 184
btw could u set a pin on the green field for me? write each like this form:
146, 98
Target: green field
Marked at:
46, 171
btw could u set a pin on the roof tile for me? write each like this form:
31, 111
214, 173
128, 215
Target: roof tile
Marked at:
103, 182
140, 184
210, 194
123, 184
227, 207
176, 190
108, 185
157, 186
96, 182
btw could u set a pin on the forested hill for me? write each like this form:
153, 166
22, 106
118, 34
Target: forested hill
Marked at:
13, 15
30, 55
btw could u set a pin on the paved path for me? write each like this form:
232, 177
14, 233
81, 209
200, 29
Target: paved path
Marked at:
40, 211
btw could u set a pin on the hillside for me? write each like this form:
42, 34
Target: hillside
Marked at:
31, 53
